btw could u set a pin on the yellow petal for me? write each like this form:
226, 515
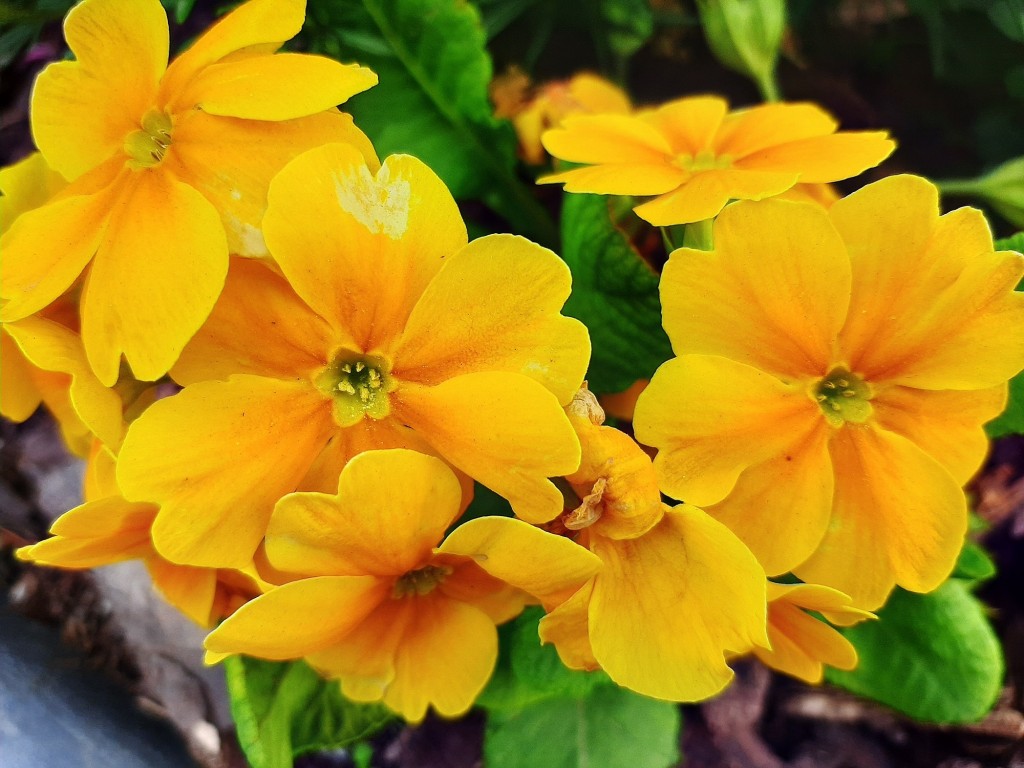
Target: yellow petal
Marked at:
801, 645
232, 162
899, 517
710, 418
834, 605
277, 87
689, 124
696, 591
705, 194
154, 280
216, 457
500, 297
256, 303
502, 429
19, 395
781, 507
25, 185
82, 110
773, 294
600, 139
191, 590
391, 510
360, 248
823, 158
619, 179
568, 628
747, 131
298, 618
947, 425
540, 563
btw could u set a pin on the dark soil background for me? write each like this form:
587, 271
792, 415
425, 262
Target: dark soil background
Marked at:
948, 84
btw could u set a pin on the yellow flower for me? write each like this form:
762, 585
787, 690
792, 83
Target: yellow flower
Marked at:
802, 645
834, 371
379, 604
696, 156
397, 334
169, 167
678, 592
106, 529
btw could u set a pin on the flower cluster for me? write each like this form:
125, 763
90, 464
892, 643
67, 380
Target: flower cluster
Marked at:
289, 368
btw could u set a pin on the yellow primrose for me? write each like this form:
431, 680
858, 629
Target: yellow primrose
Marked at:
802, 645
397, 334
695, 155
677, 593
379, 604
106, 529
169, 167
834, 371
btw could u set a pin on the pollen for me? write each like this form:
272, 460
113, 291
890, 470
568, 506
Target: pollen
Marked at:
702, 161
359, 385
420, 582
147, 147
843, 397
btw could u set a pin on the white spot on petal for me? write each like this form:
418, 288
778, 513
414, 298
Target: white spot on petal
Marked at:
236, 194
245, 240
379, 204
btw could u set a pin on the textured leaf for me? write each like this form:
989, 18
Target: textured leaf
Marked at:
933, 657
283, 710
615, 293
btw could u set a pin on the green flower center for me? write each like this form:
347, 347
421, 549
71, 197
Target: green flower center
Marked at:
702, 161
843, 397
420, 582
146, 148
359, 386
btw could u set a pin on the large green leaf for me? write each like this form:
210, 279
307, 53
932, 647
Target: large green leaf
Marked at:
610, 727
933, 657
284, 709
615, 293
432, 99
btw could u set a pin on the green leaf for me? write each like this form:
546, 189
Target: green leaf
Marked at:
432, 99
615, 294
1011, 422
1011, 243
611, 727
285, 709
933, 657
624, 26
974, 564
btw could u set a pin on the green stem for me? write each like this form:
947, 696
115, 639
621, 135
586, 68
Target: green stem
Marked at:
699, 235
968, 187
768, 86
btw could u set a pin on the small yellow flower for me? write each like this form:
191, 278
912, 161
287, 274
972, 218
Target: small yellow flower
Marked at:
397, 334
802, 645
696, 156
677, 593
834, 371
169, 167
379, 604
106, 529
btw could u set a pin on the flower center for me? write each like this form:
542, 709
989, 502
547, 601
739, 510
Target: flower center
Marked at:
359, 385
146, 148
420, 582
702, 161
843, 397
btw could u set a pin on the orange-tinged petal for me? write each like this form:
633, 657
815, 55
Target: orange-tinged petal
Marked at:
746, 131
705, 194
502, 429
298, 618
548, 567
469, 583
25, 185
155, 279
391, 510
494, 323
232, 162
360, 248
823, 158
568, 628
669, 605
899, 517
257, 303
193, 591
46, 249
52, 347
711, 418
773, 294
689, 124
619, 178
19, 395
216, 457
275, 87
82, 110
781, 507
947, 425
444, 659
833, 604
601, 139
